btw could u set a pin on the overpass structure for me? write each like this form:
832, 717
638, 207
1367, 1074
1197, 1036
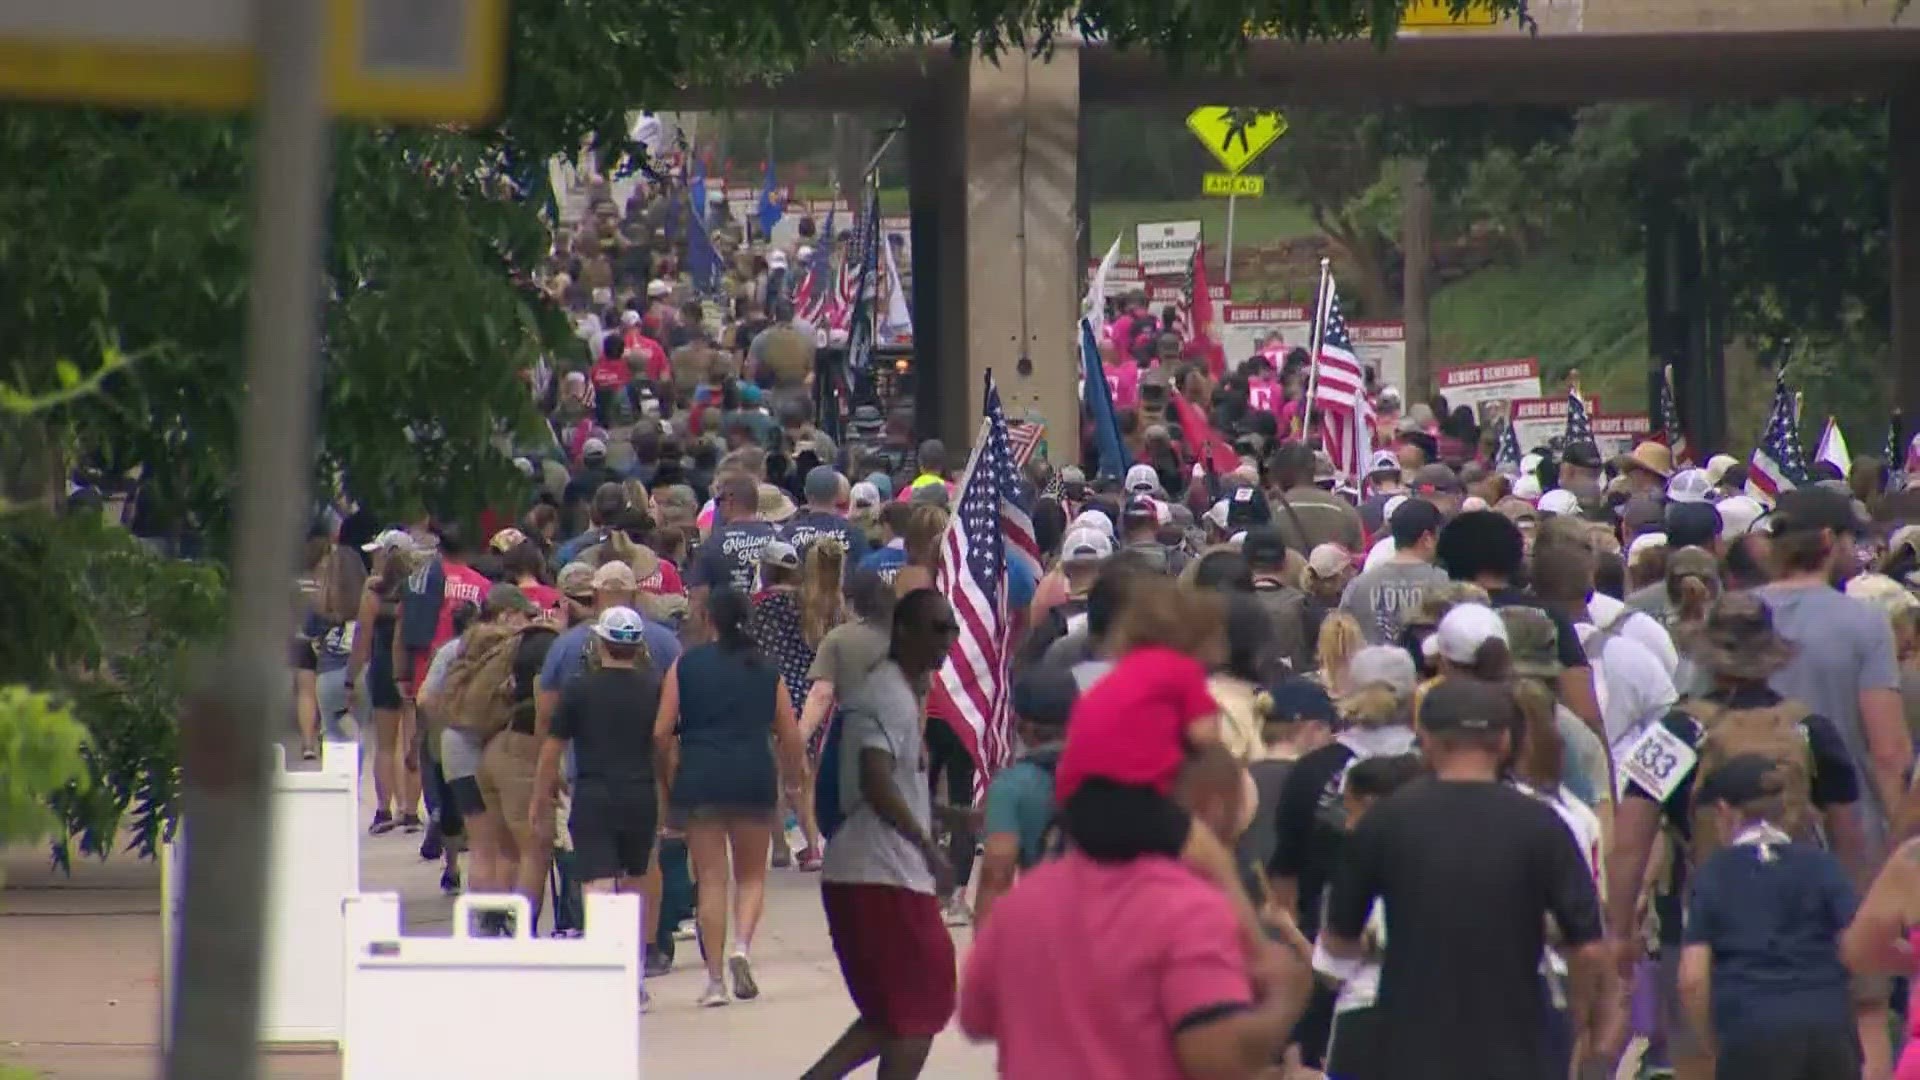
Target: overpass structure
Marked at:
996, 196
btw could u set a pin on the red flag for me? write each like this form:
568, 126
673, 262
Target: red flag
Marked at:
1203, 442
1200, 317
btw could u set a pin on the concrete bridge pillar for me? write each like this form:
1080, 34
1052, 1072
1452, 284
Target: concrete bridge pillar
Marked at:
993, 161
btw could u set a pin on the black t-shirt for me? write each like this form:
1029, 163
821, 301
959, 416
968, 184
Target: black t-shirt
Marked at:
1834, 782
608, 715
1571, 652
1468, 873
1309, 827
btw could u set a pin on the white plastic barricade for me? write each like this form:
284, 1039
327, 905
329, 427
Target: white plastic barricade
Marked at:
488, 1008
313, 866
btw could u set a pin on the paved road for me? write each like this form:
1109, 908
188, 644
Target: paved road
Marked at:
80, 965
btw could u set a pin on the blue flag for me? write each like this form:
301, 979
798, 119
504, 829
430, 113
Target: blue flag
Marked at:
769, 212
702, 261
866, 248
1106, 423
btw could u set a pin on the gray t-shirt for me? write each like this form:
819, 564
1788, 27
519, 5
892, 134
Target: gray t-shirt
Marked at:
1653, 600
882, 713
1381, 598
1845, 647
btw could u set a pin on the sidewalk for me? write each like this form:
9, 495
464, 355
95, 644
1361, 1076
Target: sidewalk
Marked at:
80, 971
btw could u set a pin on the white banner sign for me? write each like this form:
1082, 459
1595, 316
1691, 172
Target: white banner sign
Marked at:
1244, 329
1618, 434
1165, 247
1382, 347
1540, 419
1490, 387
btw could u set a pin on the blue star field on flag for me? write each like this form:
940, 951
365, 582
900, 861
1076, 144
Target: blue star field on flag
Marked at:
1579, 425
1778, 463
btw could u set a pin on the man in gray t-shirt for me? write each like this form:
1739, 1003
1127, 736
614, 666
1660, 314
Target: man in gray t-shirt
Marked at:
1845, 668
1381, 598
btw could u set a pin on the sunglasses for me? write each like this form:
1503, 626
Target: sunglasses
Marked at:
945, 626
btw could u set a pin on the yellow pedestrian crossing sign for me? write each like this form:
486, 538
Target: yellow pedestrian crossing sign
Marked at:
1236, 135
1219, 183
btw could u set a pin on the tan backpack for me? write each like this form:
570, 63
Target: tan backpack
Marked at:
478, 696
1773, 733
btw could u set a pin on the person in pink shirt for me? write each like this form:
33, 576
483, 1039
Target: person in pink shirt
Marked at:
1135, 968
1123, 378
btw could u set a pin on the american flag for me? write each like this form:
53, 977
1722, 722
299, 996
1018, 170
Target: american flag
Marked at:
1670, 431
989, 528
1025, 437
1895, 453
1579, 425
860, 316
810, 299
1339, 391
1506, 451
1777, 464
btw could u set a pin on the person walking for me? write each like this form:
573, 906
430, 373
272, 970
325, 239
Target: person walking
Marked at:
884, 872
719, 704
374, 653
791, 617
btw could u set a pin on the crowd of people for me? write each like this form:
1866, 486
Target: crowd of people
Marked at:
1438, 771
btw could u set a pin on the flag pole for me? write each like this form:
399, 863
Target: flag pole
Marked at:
1319, 331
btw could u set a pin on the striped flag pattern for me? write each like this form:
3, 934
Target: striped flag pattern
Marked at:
810, 299
1339, 391
989, 527
1777, 464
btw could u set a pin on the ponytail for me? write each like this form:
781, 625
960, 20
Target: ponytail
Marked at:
1693, 597
822, 604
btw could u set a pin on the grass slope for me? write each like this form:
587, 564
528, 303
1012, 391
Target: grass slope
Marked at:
1567, 313
1256, 222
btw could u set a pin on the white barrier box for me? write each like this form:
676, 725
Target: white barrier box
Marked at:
313, 866
488, 1008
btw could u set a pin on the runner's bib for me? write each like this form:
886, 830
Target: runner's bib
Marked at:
1657, 760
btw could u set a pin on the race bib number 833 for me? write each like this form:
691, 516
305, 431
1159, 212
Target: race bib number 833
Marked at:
1657, 761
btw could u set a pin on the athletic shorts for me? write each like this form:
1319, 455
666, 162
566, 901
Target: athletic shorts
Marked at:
302, 656
466, 795
613, 836
895, 955
1813, 1053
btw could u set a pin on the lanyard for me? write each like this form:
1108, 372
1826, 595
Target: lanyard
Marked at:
1763, 836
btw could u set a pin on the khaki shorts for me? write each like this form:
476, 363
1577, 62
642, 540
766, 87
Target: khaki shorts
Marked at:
506, 782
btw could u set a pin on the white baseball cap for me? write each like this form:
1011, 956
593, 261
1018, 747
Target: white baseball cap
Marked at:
620, 625
1690, 486
389, 540
1326, 560
1527, 487
1644, 543
1559, 501
1465, 628
1085, 545
776, 259
1142, 478
864, 494
1737, 515
1092, 519
1718, 464
593, 448
1472, 503
657, 288
1383, 461
629, 317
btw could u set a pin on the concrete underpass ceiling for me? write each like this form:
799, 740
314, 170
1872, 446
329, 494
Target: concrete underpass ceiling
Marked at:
1448, 69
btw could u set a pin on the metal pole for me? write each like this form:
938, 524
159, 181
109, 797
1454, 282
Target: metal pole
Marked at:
1232, 197
230, 726
1320, 304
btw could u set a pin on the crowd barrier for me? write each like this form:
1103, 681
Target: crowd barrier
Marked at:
314, 866
488, 1008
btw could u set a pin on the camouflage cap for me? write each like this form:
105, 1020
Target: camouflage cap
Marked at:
1534, 640
1437, 600
576, 580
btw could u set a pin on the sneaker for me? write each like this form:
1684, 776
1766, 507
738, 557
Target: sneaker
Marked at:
309, 754
714, 996
741, 969
685, 931
431, 845
658, 963
782, 855
410, 823
383, 824
646, 1001
811, 860
449, 882
956, 912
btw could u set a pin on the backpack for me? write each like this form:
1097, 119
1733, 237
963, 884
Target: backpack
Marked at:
1286, 609
477, 698
1053, 838
1773, 732
1059, 623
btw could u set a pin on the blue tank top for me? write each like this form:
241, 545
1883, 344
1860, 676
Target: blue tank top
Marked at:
726, 727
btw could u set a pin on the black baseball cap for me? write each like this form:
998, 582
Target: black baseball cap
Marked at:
1436, 479
1247, 509
1295, 698
1045, 695
1584, 455
1263, 547
1741, 779
1463, 703
1814, 507
1692, 524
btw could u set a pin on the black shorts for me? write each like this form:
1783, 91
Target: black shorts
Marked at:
1112, 822
466, 794
302, 656
613, 836
382, 691
1809, 1053
1355, 1053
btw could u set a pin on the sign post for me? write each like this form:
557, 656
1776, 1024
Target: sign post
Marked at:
1235, 137
293, 60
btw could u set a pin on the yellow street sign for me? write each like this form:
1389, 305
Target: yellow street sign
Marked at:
1235, 135
1438, 15
1224, 184
421, 62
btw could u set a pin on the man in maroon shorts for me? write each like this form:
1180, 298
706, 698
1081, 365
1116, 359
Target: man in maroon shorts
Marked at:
883, 873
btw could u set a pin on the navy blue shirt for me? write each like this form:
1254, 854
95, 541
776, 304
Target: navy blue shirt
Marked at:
1773, 921
731, 556
805, 527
